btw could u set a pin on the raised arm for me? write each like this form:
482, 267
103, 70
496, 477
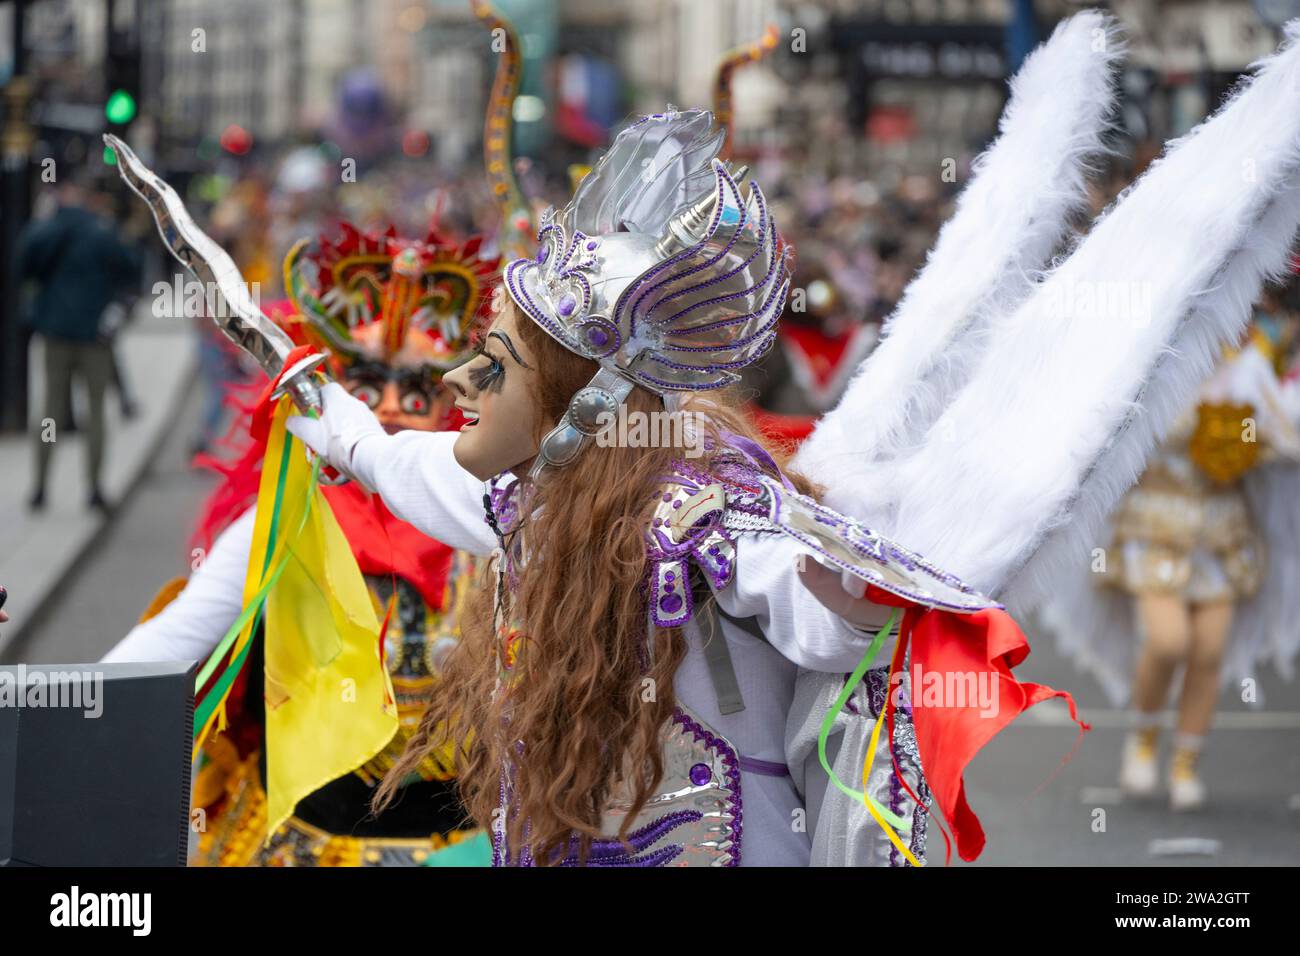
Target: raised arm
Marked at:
414, 472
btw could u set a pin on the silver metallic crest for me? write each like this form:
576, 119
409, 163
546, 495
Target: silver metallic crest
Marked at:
659, 269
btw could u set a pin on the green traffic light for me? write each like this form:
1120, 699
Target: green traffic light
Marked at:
120, 107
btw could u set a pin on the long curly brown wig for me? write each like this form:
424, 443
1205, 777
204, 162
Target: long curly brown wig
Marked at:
585, 714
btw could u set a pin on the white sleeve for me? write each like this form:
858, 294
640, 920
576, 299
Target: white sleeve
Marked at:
767, 586
420, 481
189, 627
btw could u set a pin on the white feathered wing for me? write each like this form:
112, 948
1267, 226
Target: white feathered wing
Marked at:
1017, 475
1008, 222
1011, 482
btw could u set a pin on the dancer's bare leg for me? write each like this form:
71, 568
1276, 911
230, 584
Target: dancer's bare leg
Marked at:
1167, 634
1210, 623
1165, 624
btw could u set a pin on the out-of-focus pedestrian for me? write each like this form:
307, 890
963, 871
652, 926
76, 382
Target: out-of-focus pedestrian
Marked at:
117, 314
78, 265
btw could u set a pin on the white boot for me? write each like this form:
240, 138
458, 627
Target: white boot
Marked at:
1186, 791
1138, 774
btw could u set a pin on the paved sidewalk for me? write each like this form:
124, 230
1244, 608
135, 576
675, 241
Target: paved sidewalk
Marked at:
39, 550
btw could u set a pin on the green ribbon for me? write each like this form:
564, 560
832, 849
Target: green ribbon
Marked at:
828, 722
203, 712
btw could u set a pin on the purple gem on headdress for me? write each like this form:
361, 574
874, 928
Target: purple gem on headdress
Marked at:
591, 245
701, 774
568, 302
597, 336
670, 603
542, 253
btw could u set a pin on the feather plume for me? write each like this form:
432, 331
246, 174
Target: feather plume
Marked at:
1008, 221
1072, 393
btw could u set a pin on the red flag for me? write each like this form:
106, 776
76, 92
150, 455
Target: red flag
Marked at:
965, 651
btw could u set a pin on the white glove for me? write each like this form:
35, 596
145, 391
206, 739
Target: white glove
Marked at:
843, 593
344, 421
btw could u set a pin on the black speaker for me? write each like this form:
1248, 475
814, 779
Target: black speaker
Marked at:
95, 764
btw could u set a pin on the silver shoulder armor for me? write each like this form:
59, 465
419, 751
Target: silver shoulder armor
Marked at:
841, 541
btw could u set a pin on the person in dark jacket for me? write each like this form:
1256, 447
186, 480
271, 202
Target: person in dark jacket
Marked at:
77, 265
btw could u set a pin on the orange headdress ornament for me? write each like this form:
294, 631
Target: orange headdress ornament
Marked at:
517, 226
380, 298
722, 74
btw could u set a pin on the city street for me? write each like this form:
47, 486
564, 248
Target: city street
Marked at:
1251, 767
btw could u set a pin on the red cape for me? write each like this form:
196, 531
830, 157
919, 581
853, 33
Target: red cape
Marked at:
385, 545
984, 647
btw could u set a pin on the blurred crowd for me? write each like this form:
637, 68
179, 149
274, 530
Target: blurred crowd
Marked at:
857, 241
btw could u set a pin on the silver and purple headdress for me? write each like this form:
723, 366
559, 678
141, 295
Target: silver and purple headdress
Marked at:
658, 269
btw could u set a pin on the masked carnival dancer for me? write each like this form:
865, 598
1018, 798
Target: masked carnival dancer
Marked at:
650, 651
651, 648
393, 316
631, 673
663, 289
1201, 570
